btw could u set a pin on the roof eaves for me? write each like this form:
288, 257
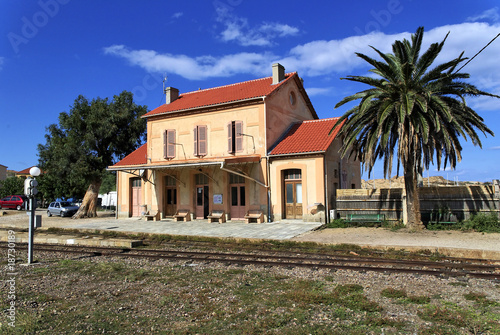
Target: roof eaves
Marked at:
205, 106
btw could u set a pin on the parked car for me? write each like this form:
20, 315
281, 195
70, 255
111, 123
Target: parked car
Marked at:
13, 201
61, 208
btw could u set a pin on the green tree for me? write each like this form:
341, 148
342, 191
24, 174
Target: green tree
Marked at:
414, 109
11, 186
88, 139
108, 182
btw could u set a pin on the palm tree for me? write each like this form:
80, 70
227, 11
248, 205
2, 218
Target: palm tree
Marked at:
417, 109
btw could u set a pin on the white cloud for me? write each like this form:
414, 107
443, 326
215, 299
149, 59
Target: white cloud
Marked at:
237, 29
488, 15
327, 57
195, 68
313, 91
2, 59
177, 15
494, 148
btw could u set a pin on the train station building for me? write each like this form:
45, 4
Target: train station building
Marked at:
251, 147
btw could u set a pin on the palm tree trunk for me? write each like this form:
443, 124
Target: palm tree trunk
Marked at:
413, 217
89, 203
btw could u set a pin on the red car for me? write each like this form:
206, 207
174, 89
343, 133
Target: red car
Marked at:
13, 201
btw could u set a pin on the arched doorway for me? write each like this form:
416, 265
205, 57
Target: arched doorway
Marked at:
292, 179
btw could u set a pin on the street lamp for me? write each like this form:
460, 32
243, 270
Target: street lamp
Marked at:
30, 191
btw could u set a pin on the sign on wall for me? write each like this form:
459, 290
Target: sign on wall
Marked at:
218, 199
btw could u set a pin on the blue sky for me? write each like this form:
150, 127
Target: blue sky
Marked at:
51, 51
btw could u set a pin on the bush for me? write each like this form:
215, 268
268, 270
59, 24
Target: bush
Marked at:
337, 223
482, 222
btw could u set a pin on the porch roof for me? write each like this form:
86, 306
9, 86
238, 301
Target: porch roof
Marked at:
138, 160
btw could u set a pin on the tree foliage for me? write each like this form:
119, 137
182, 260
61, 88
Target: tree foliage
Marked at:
11, 186
414, 110
88, 139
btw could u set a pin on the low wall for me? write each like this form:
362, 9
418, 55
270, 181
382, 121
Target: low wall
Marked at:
453, 203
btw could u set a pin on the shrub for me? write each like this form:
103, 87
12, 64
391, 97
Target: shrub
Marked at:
482, 222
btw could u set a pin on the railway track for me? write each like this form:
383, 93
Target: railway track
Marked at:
448, 267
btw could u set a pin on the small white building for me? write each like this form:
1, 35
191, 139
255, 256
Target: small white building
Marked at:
108, 200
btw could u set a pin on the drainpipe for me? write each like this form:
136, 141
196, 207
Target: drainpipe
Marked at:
267, 164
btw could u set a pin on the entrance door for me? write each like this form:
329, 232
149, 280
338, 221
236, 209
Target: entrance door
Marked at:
237, 202
202, 205
170, 201
170, 197
293, 194
136, 196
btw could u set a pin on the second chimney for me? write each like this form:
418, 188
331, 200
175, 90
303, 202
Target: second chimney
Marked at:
171, 94
278, 73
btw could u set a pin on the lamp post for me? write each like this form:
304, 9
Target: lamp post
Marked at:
30, 191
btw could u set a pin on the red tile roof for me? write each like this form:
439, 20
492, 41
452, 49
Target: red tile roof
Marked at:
222, 94
307, 136
136, 157
26, 171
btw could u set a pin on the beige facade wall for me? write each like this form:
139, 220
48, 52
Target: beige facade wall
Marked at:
281, 113
313, 190
216, 122
153, 195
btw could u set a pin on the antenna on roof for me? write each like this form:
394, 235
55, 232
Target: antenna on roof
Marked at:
164, 81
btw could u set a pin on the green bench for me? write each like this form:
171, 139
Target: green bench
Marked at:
379, 218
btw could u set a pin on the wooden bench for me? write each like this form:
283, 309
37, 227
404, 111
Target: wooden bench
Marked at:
218, 216
379, 218
152, 216
182, 215
254, 216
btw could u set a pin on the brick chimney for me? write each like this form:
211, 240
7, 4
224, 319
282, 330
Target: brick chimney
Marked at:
278, 73
171, 94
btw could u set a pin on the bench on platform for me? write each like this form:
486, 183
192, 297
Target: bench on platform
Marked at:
379, 218
152, 216
254, 216
217, 216
182, 215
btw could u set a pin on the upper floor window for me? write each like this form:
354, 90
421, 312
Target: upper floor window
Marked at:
235, 137
169, 144
200, 141
293, 174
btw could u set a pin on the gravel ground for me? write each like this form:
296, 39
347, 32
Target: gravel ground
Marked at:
144, 297
138, 298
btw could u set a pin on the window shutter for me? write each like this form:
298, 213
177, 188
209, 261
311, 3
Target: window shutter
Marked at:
202, 140
230, 138
238, 130
195, 131
165, 144
170, 143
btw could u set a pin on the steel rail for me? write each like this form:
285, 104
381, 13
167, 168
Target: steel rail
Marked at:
325, 261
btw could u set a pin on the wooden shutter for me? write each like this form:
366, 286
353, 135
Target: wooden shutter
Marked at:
202, 140
165, 144
230, 148
195, 132
238, 131
171, 143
